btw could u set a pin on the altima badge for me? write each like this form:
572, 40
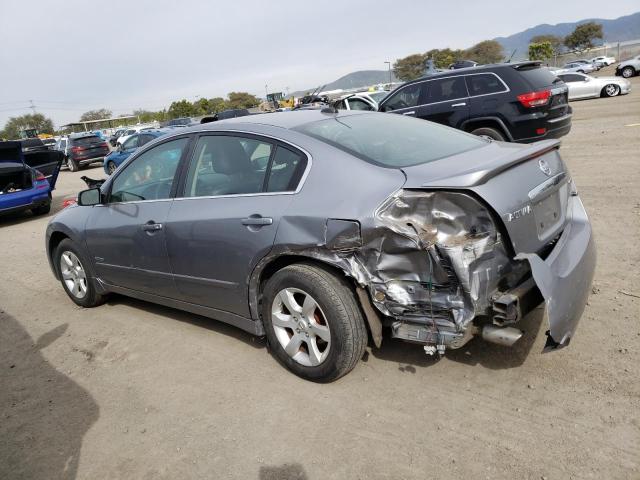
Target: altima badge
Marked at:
544, 166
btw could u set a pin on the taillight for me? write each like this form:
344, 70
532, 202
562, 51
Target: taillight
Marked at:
67, 202
535, 99
40, 176
77, 149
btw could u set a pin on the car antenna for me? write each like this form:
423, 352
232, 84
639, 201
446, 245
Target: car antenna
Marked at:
512, 54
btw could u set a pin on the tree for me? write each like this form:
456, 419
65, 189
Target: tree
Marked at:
202, 106
217, 104
145, 116
487, 51
182, 108
36, 120
95, 115
582, 37
555, 41
242, 100
444, 57
410, 67
540, 51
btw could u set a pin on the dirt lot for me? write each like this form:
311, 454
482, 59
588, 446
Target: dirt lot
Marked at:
133, 390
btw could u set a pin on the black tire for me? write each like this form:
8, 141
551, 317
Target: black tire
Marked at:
610, 92
72, 165
111, 167
487, 132
42, 209
91, 298
580, 71
337, 302
628, 72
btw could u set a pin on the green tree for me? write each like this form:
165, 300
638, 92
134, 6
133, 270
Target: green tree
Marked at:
35, 120
217, 104
555, 41
410, 67
182, 108
540, 51
95, 115
444, 57
487, 51
582, 37
242, 100
145, 116
202, 106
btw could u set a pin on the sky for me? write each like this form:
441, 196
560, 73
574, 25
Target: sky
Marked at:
70, 56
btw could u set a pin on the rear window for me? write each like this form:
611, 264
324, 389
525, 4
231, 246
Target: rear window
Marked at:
390, 140
89, 140
538, 77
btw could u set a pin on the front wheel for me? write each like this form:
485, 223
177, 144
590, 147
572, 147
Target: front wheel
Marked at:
489, 134
610, 90
628, 72
313, 323
72, 165
75, 275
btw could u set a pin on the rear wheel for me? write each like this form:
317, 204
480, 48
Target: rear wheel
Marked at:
313, 323
75, 275
489, 133
111, 167
628, 72
42, 209
610, 90
72, 165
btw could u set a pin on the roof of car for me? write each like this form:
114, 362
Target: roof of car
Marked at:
477, 68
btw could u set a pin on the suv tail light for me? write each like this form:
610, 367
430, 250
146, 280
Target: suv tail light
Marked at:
77, 149
535, 99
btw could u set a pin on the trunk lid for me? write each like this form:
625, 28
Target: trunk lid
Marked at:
526, 185
47, 162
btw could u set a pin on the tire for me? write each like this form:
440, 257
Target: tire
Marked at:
87, 297
111, 167
72, 165
333, 327
580, 71
42, 209
628, 72
490, 133
610, 90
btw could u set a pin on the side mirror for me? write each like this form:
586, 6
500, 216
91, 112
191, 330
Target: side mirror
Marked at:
87, 198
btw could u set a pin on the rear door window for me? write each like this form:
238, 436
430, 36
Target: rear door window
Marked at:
359, 104
484, 84
286, 170
571, 78
446, 89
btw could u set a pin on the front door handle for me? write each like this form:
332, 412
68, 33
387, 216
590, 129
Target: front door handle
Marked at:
151, 226
459, 104
258, 220
412, 112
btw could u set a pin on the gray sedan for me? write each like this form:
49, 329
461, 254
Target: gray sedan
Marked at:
585, 86
319, 228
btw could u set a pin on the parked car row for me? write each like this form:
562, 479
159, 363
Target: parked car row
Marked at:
583, 86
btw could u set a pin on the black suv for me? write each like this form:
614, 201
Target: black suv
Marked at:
83, 149
516, 102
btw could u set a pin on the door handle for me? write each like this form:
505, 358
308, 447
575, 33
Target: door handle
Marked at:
258, 220
152, 226
459, 104
412, 112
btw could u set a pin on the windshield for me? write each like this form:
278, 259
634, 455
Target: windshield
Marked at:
377, 96
391, 140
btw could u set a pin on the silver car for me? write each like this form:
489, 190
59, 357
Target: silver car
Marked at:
317, 228
577, 67
585, 86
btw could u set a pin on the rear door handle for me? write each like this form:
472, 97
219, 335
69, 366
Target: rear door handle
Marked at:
257, 220
151, 226
459, 104
412, 112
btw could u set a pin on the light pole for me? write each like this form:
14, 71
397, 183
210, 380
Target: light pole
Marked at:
389, 64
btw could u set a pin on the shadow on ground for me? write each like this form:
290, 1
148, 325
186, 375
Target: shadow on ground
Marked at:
44, 415
293, 471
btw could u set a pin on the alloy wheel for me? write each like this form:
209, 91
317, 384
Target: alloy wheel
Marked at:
73, 274
627, 72
300, 327
611, 90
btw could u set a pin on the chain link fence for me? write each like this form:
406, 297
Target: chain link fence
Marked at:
620, 50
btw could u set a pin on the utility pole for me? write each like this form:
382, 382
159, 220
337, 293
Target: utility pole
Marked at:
266, 91
389, 64
32, 107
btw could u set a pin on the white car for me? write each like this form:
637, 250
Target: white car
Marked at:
603, 59
584, 86
125, 135
578, 67
629, 68
361, 101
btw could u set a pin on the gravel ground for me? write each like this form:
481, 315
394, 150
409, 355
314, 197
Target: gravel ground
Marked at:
133, 390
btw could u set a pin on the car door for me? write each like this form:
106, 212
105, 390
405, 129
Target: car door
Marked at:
446, 101
488, 95
578, 85
236, 189
405, 100
125, 235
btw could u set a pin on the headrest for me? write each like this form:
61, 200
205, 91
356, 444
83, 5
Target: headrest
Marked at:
228, 156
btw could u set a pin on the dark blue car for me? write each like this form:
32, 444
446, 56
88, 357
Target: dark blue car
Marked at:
27, 178
130, 145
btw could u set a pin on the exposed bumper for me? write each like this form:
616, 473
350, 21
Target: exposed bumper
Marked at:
564, 277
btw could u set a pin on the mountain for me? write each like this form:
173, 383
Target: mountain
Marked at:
617, 30
361, 78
